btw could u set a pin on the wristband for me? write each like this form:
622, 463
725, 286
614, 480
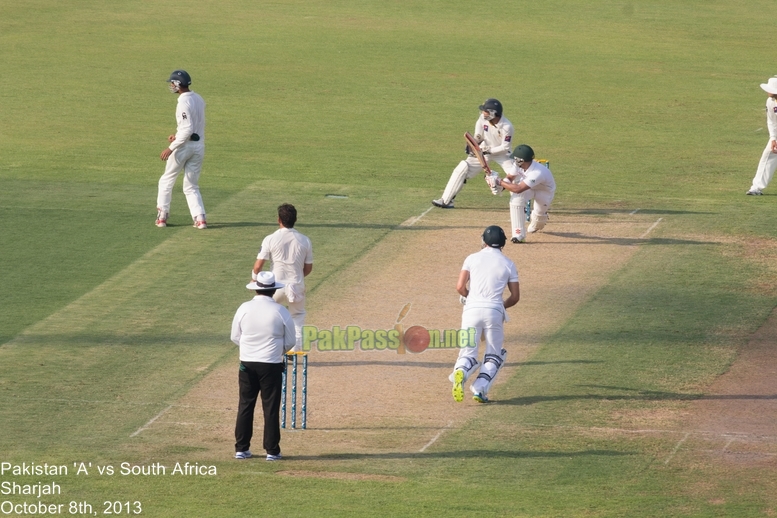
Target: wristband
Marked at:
253, 275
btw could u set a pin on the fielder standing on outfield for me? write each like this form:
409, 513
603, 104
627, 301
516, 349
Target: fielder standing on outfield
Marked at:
185, 152
768, 163
495, 133
482, 282
535, 182
264, 331
291, 254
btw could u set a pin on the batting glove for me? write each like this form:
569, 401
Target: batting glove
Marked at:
494, 183
463, 300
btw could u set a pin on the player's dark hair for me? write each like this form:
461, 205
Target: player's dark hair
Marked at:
288, 215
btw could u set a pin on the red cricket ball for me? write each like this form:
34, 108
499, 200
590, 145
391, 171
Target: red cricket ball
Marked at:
416, 339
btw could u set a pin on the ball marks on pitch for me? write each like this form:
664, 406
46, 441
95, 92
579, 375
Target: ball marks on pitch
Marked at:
416, 339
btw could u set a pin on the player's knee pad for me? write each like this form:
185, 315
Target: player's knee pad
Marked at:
456, 182
517, 218
537, 222
468, 365
492, 363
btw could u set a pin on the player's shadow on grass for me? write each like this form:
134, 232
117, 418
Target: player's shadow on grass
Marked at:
625, 241
631, 395
466, 454
627, 211
344, 225
113, 340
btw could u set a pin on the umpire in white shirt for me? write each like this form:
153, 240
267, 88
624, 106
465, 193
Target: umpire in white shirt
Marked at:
264, 331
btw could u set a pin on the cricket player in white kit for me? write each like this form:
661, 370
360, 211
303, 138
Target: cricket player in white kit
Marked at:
185, 152
482, 282
768, 162
534, 182
495, 133
291, 254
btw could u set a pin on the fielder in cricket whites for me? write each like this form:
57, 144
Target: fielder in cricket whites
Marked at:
534, 182
768, 162
291, 254
482, 282
494, 132
185, 152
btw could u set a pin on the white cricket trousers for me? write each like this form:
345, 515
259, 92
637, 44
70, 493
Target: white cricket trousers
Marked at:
542, 200
187, 158
489, 324
297, 312
766, 167
470, 168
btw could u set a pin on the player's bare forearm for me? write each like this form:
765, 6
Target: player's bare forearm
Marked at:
306, 269
515, 294
517, 188
258, 265
461, 286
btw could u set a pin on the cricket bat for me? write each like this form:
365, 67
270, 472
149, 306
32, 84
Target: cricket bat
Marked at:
475, 148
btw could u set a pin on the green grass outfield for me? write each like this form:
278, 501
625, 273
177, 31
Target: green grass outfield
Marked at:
105, 320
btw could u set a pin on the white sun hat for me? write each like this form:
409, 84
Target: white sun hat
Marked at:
770, 87
265, 281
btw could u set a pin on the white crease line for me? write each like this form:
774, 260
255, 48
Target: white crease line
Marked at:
677, 447
412, 221
654, 225
634, 212
436, 437
160, 414
728, 444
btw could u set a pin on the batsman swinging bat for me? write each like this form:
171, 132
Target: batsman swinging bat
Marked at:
475, 148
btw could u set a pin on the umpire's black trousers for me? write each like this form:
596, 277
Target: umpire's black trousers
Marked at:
255, 378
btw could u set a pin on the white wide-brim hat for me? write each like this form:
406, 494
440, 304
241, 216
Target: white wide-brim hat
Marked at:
265, 281
770, 86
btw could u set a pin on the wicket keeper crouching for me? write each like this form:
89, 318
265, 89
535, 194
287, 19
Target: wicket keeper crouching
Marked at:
535, 182
264, 331
487, 272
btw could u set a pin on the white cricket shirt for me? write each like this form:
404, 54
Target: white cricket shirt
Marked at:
190, 116
498, 137
263, 330
539, 178
489, 272
289, 252
771, 117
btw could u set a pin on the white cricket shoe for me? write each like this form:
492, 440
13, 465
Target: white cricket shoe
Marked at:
200, 223
480, 397
161, 218
441, 203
